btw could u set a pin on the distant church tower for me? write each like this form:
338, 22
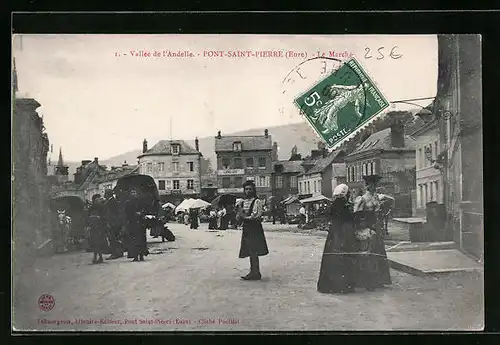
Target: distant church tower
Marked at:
61, 170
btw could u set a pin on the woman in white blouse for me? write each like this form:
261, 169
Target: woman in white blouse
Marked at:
253, 240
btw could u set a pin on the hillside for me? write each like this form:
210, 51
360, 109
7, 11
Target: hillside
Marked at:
287, 136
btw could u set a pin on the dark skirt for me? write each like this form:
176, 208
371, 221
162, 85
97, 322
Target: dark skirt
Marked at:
372, 264
137, 240
97, 236
194, 222
253, 240
212, 223
338, 264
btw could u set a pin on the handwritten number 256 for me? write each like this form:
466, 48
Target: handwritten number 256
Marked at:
392, 53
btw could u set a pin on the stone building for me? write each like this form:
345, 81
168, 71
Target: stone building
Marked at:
175, 167
242, 158
108, 179
429, 179
459, 116
391, 154
318, 173
30, 187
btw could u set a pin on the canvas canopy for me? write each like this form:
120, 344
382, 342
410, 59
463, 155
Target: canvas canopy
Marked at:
199, 203
184, 205
316, 198
170, 205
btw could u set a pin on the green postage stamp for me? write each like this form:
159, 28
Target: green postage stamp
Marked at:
340, 104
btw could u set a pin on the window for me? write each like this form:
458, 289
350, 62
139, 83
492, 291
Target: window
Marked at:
249, 163
225, 163
150, 167
226, 182
176, 184
238, 164
371, 168
161, 166
300, 188
308, 187
237, 146
279, 181
315, 188
293, 181
435, 150
262, 181
426, 193
421, 201
190, 184
250, 178
190, 166
238, 182
175, 166
161, 184
175, 149
169, 184
262, 162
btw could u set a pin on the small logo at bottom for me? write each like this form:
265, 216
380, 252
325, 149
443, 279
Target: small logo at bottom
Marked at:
46, 302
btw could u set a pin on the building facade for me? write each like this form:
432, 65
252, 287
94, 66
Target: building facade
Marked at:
242, 158
108, 179
459, 112
284, 178
317, 180
429, 179
391, 154
175, 167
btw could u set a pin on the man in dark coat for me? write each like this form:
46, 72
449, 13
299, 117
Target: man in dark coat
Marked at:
135, 213
114, 224
96, 223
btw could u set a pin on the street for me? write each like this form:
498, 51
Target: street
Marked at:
193, 284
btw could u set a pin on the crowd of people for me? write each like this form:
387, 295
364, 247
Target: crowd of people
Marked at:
354, 254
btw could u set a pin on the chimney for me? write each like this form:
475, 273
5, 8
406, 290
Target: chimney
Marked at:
197, 144
219, 135
397, 134
144, 146
275, 151
125, 164
266, 133
96, 160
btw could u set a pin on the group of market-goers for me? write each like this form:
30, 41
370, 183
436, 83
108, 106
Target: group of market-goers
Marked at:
117, 229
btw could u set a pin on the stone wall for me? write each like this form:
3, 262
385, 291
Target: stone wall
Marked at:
31, 217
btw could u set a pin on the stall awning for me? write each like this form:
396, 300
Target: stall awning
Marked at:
316, 198
290, 200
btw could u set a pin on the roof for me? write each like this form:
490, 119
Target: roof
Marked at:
117, 173
248, 143
423, 128
89, 172
321, 164
163, 148
290, 166
381, 140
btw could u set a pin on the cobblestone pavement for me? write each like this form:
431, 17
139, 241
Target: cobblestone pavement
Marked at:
193, 284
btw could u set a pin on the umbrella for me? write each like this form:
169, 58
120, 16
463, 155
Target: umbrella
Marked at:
172, 206
184, 205
199, 203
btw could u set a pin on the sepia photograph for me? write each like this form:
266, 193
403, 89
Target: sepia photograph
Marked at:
239, 182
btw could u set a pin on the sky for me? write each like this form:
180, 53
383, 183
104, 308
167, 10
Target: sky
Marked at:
100, 101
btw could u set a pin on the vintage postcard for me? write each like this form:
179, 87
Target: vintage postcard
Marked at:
220, 183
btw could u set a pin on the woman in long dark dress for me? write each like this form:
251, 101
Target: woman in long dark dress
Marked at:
253, 240
373, 267
96, 223
135, 213
193, 217
337, 272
